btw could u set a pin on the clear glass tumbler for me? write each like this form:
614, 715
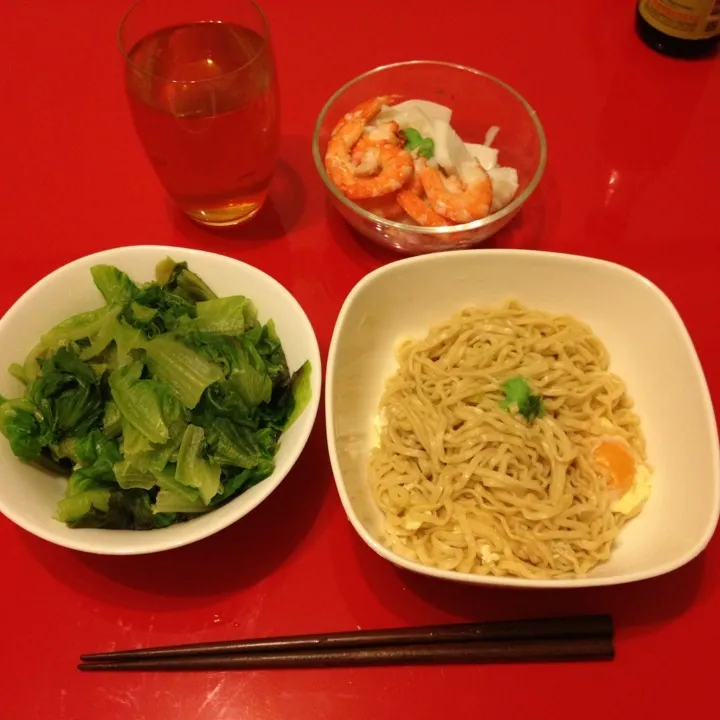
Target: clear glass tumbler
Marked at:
201, 82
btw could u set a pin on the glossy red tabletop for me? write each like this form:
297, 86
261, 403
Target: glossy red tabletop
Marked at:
632, 176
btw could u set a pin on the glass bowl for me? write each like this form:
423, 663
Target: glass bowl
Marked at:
478, 101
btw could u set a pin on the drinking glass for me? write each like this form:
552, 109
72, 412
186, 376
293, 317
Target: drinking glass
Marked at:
201, 82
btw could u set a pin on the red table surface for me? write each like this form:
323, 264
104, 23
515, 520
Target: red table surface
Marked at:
632, 177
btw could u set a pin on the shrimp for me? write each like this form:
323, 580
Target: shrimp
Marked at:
367, 160
459, 201
385, 134
418, 209
416, 186
385, 207
395, 169
394, 165
366, 110
413, 201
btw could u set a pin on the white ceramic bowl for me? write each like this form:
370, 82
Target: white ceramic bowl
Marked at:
28, 496
649, 346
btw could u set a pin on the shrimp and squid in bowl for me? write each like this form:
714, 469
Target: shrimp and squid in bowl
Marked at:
426, 156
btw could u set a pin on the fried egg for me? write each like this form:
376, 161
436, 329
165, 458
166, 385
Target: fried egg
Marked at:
629, 480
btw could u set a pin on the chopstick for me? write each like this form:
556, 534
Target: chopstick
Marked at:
515, 640
533, 629
598, 648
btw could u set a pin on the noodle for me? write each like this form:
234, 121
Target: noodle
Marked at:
466, 485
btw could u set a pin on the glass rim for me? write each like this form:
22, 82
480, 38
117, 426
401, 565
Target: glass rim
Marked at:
248, 63
444, 230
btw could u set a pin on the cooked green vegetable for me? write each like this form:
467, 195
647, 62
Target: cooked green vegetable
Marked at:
23, 425
164, 403
518, 394
193, 470
425, 146
67, 393
186, 371
115, 285
179, 280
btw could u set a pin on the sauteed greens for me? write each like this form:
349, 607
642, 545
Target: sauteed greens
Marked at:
165, 402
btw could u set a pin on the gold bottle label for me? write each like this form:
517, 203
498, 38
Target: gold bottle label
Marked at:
684, 19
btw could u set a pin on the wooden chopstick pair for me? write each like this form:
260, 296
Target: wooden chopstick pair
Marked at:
574, 638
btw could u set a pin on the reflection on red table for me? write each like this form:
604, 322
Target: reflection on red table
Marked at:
632, 177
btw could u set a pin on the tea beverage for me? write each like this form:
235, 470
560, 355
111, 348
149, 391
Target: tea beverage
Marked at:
204, 101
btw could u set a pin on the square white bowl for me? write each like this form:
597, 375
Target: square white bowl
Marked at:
650, 349
28, 495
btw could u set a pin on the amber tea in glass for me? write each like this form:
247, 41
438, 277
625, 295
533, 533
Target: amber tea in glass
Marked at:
202, 87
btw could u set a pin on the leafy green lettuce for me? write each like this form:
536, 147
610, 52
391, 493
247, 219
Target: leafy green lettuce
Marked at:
139, 402
162, 404
193, 469
25, 427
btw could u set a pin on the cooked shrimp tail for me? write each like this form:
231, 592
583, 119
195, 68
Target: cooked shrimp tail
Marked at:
419, 210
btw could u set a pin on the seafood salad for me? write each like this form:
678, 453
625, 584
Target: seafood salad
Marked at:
404, 161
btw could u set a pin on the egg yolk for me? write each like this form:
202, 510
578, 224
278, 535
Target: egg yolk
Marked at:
619, 462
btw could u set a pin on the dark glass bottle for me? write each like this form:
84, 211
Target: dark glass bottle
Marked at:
681, 28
